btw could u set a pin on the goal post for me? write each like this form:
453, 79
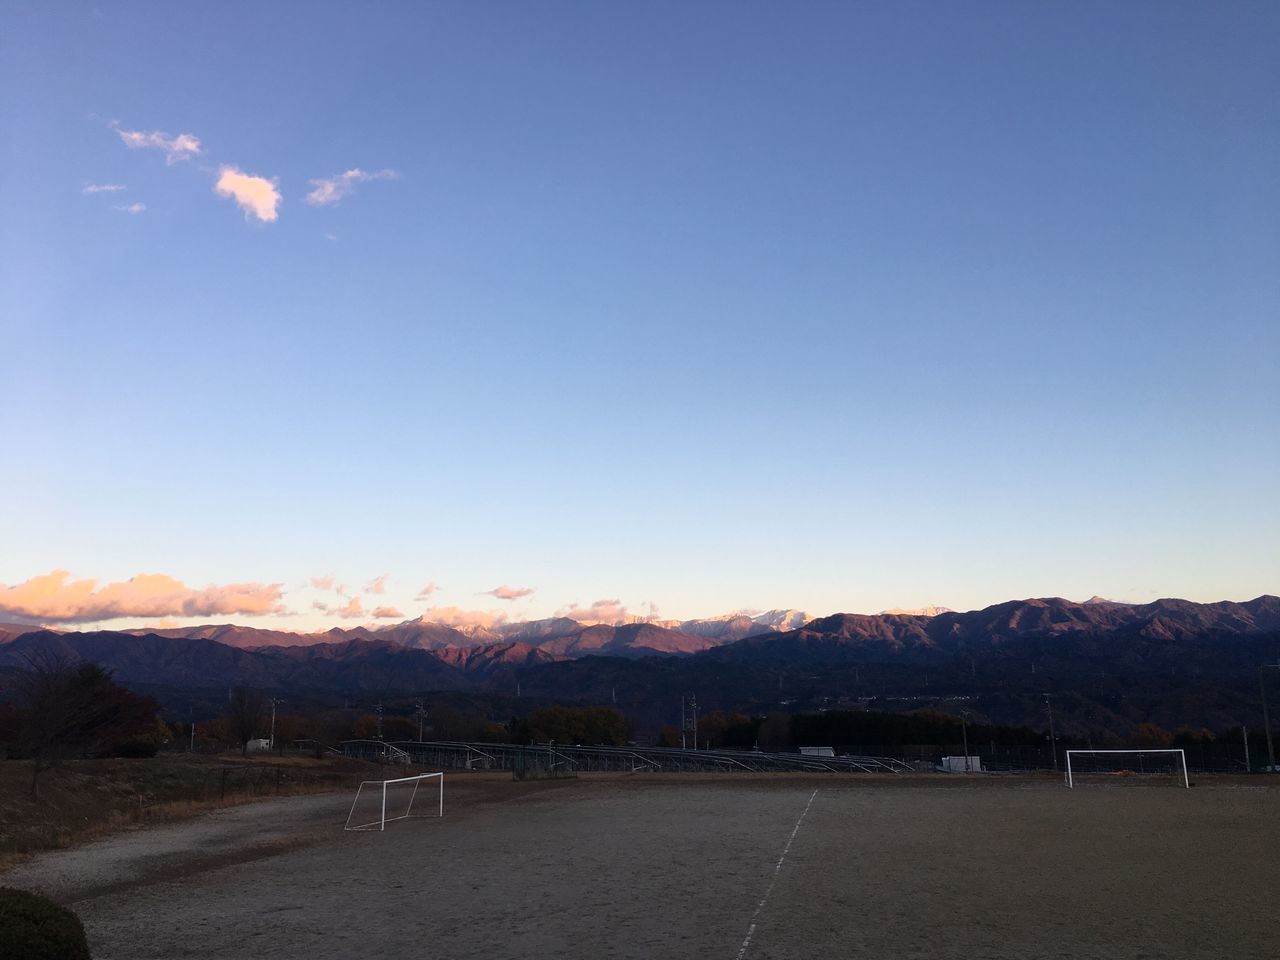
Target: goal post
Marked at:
1148, 762
378, 802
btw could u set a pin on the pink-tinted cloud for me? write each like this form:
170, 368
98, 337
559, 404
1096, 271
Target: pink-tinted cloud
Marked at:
350, 610
377, 585
55, 598
509, 593
317, 605
427, 591
335, 188
602, 611
322, 583
181, 147
256, 196
455, 617
387, 613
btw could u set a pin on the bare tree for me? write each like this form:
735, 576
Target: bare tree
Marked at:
60, 707
244, 715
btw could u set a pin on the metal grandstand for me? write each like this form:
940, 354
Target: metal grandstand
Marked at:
453, 755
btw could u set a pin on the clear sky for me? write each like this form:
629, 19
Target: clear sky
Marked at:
706, 306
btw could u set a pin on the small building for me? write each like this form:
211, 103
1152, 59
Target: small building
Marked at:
818, 751
261, 745
961, 765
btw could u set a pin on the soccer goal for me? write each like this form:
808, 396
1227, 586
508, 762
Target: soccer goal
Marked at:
1170, 764
378, 802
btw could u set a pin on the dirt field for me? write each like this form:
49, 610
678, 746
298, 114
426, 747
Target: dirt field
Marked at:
723, 866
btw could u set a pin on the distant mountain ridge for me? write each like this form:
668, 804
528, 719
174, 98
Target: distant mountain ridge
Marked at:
561, 636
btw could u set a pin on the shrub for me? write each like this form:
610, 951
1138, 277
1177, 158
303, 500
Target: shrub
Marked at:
137, 748
35, 928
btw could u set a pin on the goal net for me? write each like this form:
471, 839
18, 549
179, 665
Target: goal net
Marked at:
1157, 766
378, 802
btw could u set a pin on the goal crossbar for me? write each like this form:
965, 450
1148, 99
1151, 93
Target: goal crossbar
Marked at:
1180, 754
381, 785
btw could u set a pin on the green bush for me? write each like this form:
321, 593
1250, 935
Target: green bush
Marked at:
35, 928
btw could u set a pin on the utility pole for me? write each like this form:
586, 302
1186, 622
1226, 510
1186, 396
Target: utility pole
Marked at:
1053, 737
693, 716
191, 722
271, 742
689, 721
422, 713
1244, 732
964, 732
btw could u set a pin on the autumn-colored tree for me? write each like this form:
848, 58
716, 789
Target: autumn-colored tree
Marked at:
578, 725
775, 732
669, 736
1151, 735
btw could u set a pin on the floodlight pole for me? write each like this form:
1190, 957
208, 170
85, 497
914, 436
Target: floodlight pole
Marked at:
964, 731
1266, 717
1053, 738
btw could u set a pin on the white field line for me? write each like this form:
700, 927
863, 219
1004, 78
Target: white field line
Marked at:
777, 868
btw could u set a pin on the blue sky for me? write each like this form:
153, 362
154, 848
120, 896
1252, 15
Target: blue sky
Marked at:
705, 306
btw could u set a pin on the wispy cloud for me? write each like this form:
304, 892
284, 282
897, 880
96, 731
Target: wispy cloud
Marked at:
377, 585
55, 598
426, 592
322, 583
387, 613
509, 593
181, 147
134, 208
102, 188
256, 196
333, 189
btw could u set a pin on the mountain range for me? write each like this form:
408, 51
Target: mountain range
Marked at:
1107, 665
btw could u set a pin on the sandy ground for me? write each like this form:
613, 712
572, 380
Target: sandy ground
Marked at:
738, 867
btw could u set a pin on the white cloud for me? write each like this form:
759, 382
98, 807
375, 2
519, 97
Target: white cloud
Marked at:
134, 208
454, 617
602, 611
102, 188
257, 196
54, 598
335, 188
349, 611
181, 147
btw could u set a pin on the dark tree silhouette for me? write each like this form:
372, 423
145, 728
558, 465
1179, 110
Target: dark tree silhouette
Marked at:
244, 713
73, 709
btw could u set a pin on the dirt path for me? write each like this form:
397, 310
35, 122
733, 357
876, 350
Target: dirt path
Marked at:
153, 854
